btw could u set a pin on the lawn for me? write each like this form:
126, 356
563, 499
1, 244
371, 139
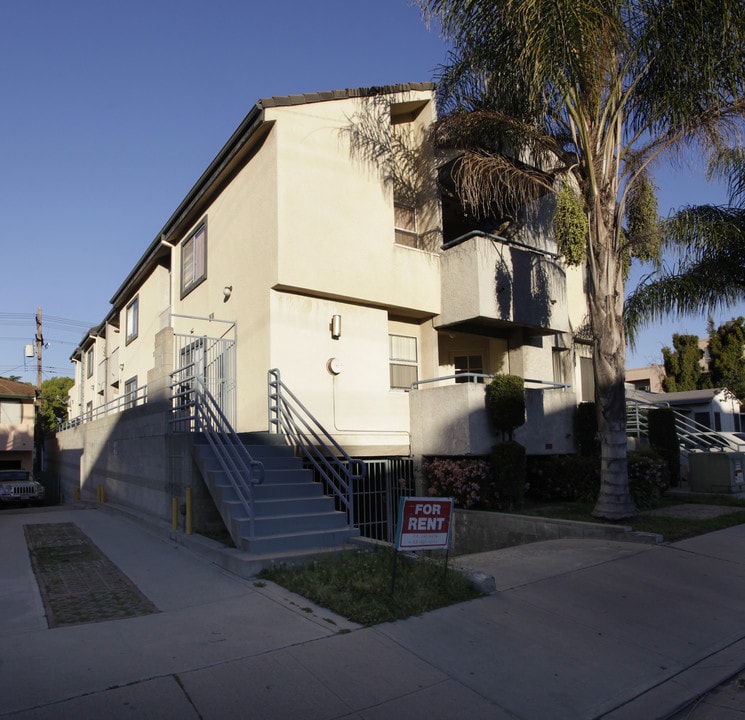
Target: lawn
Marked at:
671, 529
358, 585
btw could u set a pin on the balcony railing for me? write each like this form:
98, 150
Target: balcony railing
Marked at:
485, 378
124, 402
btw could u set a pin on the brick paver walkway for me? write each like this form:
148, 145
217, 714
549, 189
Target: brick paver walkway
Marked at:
77, 582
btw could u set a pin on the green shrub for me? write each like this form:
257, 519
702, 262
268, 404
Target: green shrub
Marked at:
505, 403
664, 439
586, 429
509, 474
648, 479
554, 478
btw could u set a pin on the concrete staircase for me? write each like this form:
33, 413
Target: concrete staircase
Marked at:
291, 512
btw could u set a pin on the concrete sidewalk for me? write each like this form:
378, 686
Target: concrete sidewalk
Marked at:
576, 629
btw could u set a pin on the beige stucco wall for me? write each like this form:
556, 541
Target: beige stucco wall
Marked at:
452, 420
336, 228
357, 404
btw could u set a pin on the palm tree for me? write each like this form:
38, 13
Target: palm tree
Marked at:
709, 242
590, 93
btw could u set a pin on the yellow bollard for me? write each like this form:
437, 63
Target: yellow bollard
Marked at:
174, 513
75, 494
101, 494
188, 511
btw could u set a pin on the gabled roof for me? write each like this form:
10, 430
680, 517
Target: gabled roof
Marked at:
12, 389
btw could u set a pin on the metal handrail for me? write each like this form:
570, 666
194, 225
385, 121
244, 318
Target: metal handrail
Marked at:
128, 400
692, 435
289, 417
195, 406
473, 377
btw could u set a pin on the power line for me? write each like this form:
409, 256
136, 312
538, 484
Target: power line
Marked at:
59, 322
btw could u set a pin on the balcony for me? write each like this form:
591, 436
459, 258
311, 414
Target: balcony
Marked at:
451, 419
491, 284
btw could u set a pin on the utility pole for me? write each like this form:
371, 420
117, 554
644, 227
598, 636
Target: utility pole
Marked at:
37, 403
39, 345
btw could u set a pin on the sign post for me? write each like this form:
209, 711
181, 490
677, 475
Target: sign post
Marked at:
424, 523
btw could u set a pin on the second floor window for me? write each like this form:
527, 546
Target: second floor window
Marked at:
403, 361
405, 224
133, 319
194, 259
468, 364
89, 363
130, 392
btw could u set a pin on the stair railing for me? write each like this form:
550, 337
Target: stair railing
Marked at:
691, 434
289, 417
195, 408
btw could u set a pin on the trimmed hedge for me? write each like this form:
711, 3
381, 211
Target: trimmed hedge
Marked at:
505, 403
509, 474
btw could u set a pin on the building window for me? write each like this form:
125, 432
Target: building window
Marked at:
587, 379
405, 225
468, 364
403, 361
558, 359
194, 259
89, 363
130, 392
702, 418
132, 320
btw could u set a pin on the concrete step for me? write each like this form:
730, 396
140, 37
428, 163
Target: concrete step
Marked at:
291, 511
298, 541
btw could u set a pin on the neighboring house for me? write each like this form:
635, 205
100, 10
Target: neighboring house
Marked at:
16, 425
648, 378
717, 409
319, 242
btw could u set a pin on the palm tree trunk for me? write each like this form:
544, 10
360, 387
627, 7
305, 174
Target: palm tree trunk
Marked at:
609, 363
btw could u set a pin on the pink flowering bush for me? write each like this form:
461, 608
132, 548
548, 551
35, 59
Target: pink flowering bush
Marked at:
467, 481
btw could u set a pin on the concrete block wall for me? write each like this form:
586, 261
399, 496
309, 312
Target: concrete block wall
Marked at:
137, 462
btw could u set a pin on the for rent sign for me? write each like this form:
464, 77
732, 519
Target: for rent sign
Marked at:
424, 523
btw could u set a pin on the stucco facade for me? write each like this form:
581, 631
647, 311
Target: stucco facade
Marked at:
317, 234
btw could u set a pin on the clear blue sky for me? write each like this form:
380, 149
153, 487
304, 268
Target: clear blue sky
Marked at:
111, 111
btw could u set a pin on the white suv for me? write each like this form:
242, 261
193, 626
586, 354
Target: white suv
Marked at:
17, 487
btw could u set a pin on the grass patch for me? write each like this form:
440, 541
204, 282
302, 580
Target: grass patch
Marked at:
357, 585
672, 529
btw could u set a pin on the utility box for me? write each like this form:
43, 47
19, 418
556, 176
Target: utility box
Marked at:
716, 472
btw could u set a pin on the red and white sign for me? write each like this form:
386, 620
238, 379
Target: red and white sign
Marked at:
424, 523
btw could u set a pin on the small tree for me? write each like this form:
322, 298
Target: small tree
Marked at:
505, 401
53, 403
726, 348
682, 364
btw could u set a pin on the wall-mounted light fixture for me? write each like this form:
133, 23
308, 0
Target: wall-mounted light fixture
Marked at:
227, 291
336, 326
